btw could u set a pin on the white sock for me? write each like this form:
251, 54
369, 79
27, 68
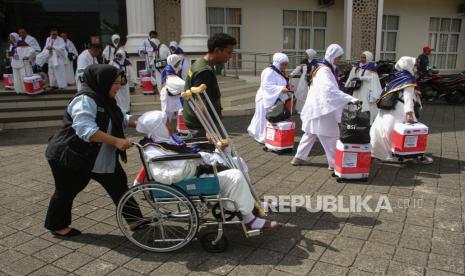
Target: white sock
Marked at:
257, 224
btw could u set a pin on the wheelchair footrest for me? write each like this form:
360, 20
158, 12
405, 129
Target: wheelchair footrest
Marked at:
252, 233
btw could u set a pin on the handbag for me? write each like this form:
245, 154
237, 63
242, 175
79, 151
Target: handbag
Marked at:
277, 113
354, 84
160, 63
355, 125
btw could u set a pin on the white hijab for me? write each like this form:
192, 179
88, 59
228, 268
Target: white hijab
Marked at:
310, 53
332, 52
16, 36
173, 59
279, 58
406, 63
174, 44
153, 125
368, 55
122, 53
324, 95
115, 37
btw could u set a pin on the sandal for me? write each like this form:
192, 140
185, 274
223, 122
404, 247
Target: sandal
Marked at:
71, 233
269, 225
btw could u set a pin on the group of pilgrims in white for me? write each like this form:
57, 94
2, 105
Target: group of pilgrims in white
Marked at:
60, 54
320, 98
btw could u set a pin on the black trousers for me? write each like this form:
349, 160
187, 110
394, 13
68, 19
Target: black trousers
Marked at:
68, 183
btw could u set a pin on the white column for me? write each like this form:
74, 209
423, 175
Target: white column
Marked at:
379, 29
348, 6
140, 20
194, 26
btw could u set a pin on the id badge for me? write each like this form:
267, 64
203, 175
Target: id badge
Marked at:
16, 57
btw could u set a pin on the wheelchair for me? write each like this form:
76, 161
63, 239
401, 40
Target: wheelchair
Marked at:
173, 215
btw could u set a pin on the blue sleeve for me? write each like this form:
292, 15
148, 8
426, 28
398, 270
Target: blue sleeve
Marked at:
83, 110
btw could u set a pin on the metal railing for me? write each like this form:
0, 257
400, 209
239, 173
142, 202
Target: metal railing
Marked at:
253, 62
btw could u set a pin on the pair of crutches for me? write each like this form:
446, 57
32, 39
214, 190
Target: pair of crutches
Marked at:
198, 100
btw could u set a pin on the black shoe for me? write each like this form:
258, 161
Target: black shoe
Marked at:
72, 233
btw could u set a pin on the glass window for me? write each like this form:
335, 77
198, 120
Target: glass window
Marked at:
303, 30
215, 16
444, 37
234, 16
389, 37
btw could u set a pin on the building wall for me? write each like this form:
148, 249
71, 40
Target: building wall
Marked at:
262, 21
414, 18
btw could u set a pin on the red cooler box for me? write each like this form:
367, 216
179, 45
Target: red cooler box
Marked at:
33, 85
180, 125
409, 139
280, 136
147, 86
352, 161
9, 81
143, 73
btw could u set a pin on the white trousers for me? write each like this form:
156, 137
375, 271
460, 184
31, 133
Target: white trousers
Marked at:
70, 73
123, 98
233, 185
57, 76
306, 145
18, 76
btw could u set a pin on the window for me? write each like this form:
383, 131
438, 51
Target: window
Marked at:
444, 36
303, 30
226, 20
389, 37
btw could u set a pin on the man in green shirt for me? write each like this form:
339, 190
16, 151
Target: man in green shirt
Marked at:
220, 49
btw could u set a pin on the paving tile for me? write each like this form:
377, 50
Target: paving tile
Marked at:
96, 267
371, 264
73, 261
321, 268
411, 256
295, 265
446, 263
403, 269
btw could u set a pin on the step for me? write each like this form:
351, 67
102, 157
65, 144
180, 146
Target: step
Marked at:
140, 98
30, 115
31, 105
144, 107
230, 83
239, 110
240, 99
32, 124
235, 90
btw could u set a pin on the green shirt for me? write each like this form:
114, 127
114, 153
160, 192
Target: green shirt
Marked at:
201, 73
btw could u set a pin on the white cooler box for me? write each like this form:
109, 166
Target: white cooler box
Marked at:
409, 139
280, 136
352, 161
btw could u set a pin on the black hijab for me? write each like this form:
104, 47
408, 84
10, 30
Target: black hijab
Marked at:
99, 79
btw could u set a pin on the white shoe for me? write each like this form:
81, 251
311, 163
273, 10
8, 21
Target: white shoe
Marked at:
299, 162
331, 169
425, 160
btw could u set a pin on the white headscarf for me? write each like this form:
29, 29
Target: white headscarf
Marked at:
368, 55
406, 63
310, 53
115, 37
153, 125
332, 52
16, 36
122, 53
173, 59
279, 58
174, 44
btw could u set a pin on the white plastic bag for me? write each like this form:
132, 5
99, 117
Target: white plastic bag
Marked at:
302, 90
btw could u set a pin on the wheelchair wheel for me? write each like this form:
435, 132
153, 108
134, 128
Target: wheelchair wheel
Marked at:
206, 241
168, 219
216, 212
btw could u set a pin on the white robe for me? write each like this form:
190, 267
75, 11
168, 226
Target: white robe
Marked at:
147, 47
31, 41
232, 182
70, 48
369, 92
321, 114
383, 125
110, 51
56, 62
123, 97
85, 59
270, 90
170, 104
21, 64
